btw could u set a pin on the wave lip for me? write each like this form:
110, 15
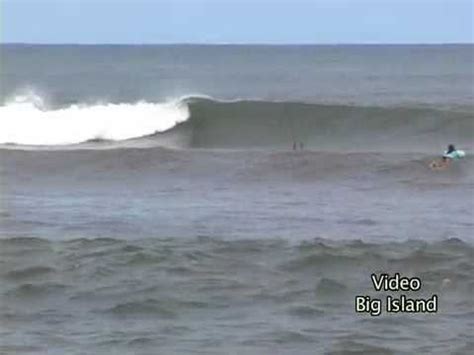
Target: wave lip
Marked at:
25, 122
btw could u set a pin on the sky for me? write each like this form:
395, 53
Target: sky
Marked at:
236, 21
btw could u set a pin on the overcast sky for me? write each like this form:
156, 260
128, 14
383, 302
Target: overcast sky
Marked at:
236, 21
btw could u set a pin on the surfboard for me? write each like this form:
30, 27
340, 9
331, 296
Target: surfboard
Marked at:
457, 154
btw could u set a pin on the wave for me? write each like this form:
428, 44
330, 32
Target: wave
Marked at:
217, 124
25, 121
33, 272
203, 122
150, 307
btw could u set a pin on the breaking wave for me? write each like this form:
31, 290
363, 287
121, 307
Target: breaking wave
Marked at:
200, 122
26, 121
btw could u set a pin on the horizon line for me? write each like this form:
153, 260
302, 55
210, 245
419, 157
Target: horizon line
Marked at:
238, 43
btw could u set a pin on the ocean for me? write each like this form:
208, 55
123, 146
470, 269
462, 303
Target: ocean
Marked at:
233, 199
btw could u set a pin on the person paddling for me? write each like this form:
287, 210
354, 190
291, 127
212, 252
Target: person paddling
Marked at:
450, 154
453, 153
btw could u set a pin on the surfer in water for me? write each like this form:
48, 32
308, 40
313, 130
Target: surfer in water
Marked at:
451, 148
453, 153
450, 154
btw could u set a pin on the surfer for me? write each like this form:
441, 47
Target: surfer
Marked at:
453, 153
450, 154
295, 147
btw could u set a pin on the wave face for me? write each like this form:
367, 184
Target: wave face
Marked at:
327, 127
197, 122
26, 121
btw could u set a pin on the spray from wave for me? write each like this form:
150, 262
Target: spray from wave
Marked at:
26, 120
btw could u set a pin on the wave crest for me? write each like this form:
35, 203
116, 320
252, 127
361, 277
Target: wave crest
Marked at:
26, 121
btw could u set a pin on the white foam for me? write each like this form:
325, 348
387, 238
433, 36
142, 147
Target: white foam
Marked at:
24, 120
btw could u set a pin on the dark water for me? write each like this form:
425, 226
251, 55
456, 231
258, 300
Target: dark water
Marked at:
207, 295
152, 201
